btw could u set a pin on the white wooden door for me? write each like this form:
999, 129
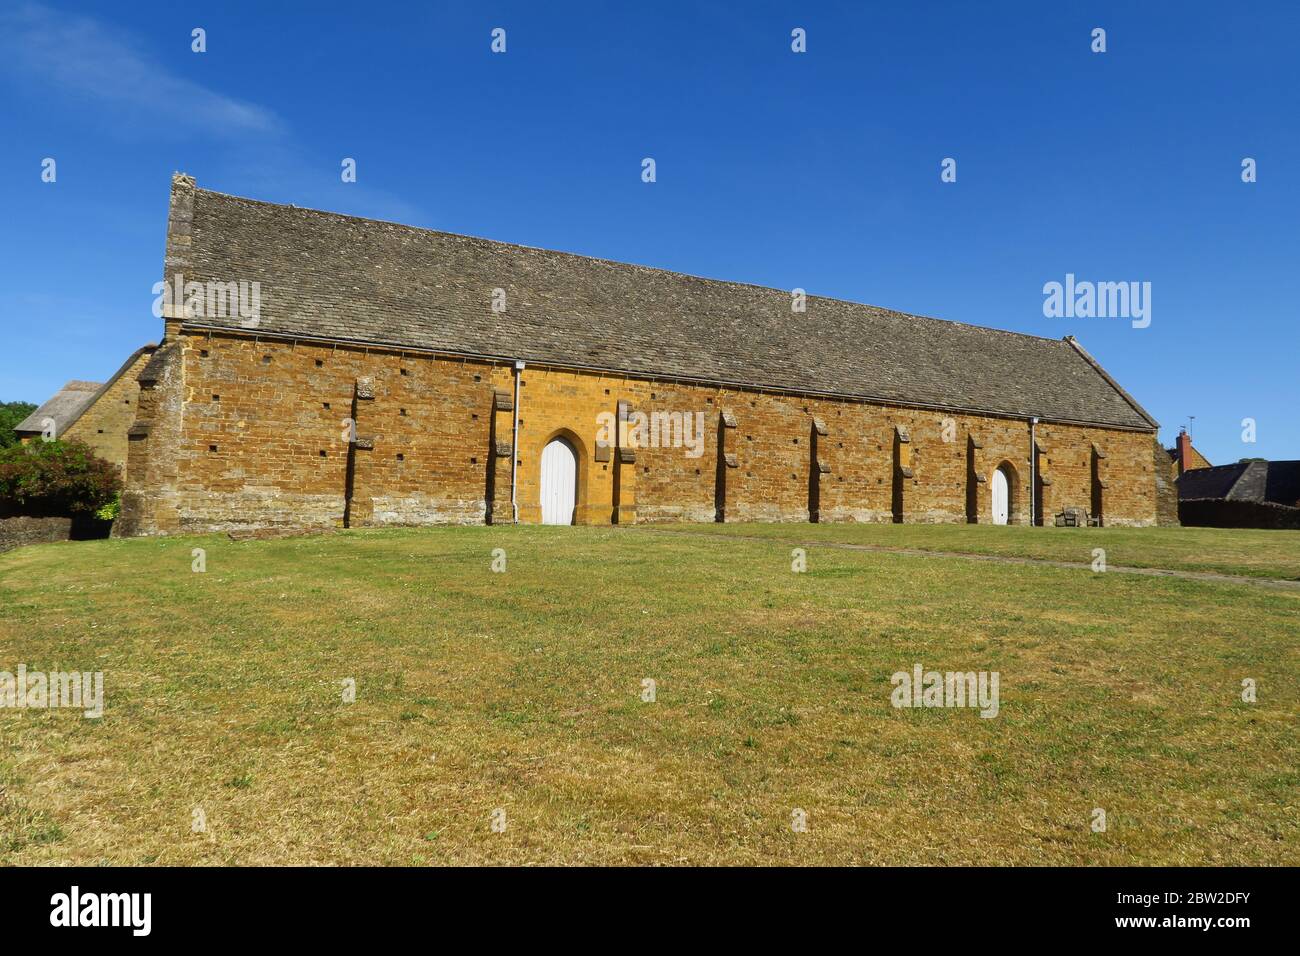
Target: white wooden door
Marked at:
999, 497
559, 482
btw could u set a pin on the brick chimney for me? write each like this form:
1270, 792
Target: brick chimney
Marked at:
1184, 451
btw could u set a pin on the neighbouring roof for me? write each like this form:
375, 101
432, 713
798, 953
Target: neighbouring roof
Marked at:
330, 276
1275, 481
72, 401
63, 408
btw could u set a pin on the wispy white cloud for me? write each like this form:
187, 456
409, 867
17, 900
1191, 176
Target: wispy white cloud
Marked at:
90, 61
108, 73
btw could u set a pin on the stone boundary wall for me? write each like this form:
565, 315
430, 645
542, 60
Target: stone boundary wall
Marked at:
17, 532
1226, 513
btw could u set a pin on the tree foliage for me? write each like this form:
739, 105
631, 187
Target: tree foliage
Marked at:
11, 413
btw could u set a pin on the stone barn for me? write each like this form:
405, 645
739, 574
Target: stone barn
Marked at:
320, 370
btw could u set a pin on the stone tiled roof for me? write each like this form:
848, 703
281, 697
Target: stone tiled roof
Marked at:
1215, 482
65, 407
338, 277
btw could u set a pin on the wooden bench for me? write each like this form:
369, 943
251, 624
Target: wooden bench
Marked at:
1077, 518
1067, 518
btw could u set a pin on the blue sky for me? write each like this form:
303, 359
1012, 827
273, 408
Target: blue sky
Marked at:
817, 170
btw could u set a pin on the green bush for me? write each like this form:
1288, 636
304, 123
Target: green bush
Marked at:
111, 511
55, 478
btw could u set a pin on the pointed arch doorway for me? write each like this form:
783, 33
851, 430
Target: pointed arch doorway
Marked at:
1000, 488
559, 482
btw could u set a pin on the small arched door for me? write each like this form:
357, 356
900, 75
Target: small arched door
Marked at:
559, 482
1001, 491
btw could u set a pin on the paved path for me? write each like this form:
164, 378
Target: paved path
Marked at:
1280, 583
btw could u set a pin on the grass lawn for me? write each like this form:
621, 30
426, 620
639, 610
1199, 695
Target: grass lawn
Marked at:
521, 691
1249, 552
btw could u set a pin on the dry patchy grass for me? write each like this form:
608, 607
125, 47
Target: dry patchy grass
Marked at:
521, 691
1244, 551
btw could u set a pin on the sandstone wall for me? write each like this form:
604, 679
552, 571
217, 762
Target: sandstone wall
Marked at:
248, 433
871, 464
104, 425
1166, 475
149, 498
